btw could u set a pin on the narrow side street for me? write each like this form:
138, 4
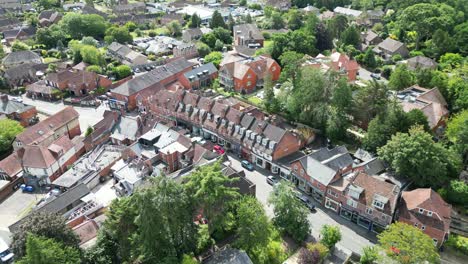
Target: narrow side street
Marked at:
354, 238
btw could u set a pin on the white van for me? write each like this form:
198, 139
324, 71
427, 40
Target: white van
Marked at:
5, 254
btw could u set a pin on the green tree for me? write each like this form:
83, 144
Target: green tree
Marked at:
337, 25
81, 25
451, 61
461, 38
8, 131
91, 55
416, 156
209, 39
94, 68
118, 34
202, 49
46, 225
89, 130
417, 117
231, 22
291, 62
165, 222
277, 21
41, 250
217, 20
253, 230
271, 103
369, 59
122, 71
19, 46
248, 19
442, 43
50, 36
425, 18
330, 235
294, 20
290, 215
457, 133
174, 28
412, 244
370, 101
195, 21
210, 188
215, 57
323, 36
131, 26
457, 192
401, 78
223, 34
370, 255
351, 36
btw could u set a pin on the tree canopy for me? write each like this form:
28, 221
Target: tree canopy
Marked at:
8, 131
290, 215
416, 156
81, 25
408, 244
41, 250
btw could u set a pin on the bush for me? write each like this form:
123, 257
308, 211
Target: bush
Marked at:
457, 192
152, 33
459, 243
386, 72
320, 248
330, 235
396, 58
266, 35
94, 68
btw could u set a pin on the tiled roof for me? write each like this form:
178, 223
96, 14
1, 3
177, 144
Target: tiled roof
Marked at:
373, 186
248, 31
428, 200
390, 45
37, 156
44, 129
11, 165
8, 107
24, 56
153, 77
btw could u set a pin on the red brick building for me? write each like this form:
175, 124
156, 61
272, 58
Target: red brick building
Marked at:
25, 114
426, 210
315, 172
338, 62
77, 82
368, 201
64, 122
131, 94
248, 74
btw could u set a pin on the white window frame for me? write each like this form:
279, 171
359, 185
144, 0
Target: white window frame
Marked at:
378, 204
369, 211
423, 227
351, 203
421, 211
353, 194
429, 213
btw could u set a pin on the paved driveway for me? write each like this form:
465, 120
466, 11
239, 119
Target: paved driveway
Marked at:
365, 75
354, 238
14, 208
88, 115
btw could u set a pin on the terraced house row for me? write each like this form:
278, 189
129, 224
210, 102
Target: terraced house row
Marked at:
355, 186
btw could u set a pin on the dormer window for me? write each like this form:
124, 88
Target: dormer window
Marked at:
264, 142
429, 213
355, 191
421, 211
259, 139
379, 201
272, 145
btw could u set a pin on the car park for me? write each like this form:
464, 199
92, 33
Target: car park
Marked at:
247, 165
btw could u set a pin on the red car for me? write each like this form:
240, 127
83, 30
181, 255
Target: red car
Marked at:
218, 149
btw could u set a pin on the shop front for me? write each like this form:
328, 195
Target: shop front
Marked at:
331, 204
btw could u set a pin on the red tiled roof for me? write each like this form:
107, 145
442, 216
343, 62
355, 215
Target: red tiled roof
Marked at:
11, 164
42, 130
428, 200
37, 156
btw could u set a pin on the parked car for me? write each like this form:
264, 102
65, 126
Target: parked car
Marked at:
218, 149
5, 254
27, 188
375, 76
303, 198
310, 205
247, 165
271, 180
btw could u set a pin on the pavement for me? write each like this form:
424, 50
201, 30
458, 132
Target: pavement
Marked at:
88, 115
365, 75
354, 238
14, 208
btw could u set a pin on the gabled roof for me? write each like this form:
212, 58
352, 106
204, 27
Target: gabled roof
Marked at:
9, 107
38, 156
377, 189
429, 200
11, 165
421, 62
153, 77
62, 201
23, 56
205, 69
390, 44
248, 31
42, 130
230, 256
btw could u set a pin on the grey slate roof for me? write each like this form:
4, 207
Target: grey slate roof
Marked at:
23, 56
247, 121
323, 164
246, 30
205, 67
9, 107
229, 256
390, 45
153, 77
274, 133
